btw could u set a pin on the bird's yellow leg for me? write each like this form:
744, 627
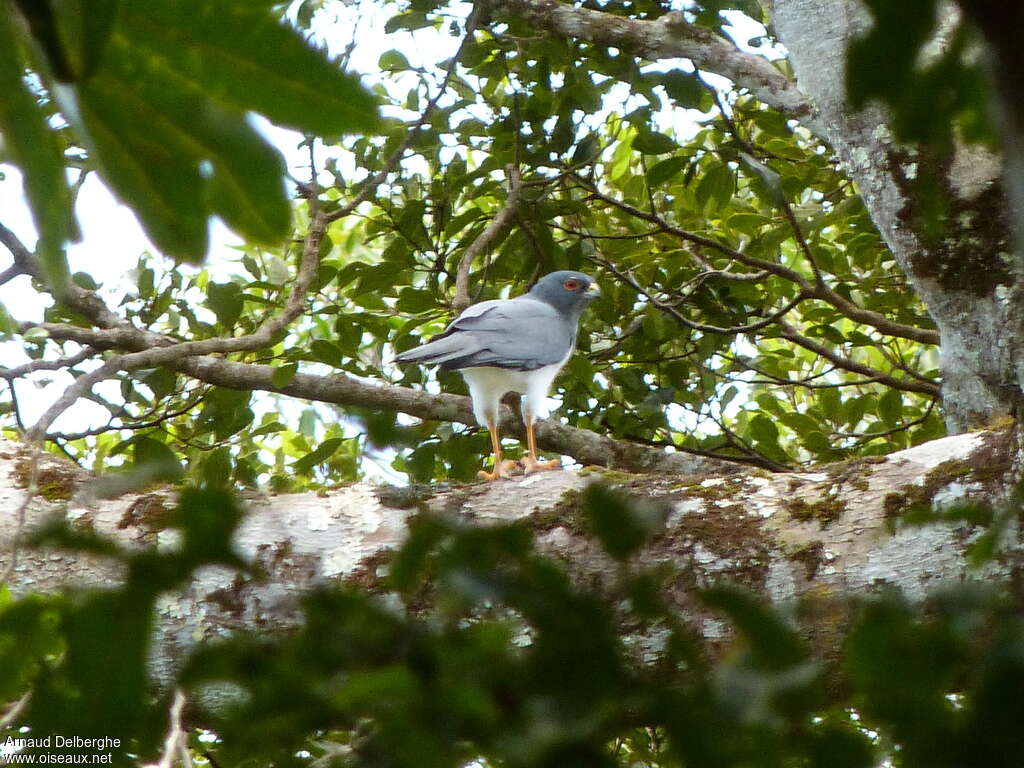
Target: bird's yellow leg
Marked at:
530, 461
501, 468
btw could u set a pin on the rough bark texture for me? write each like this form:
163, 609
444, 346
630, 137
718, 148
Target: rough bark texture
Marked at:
815, 535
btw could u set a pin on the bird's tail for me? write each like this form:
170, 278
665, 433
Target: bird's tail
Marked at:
437, 352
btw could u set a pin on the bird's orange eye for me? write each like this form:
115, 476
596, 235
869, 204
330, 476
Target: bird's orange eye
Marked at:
571, 285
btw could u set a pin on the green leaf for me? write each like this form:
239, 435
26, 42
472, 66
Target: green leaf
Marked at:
393, 61
160, 380
716, 185
411, 20
763, 429
770, 180
326, 352
215, 468
28, 633
33, 147
899, 31
247, 186
586, 150
827, 332
772, 643
890, 407
621, 524
149, 163
225, 411
816, 442
43, 24
225, 299
653, 143
242, 57
322, 453
98, 18
85, 27
684, 88
8, 326
282, 375
664, 170
156, 458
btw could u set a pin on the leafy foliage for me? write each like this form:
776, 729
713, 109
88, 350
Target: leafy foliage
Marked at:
157, 98
750, 309
85, 652
933, 98
477, 647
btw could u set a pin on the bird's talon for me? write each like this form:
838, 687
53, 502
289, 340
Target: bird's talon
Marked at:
501, 471
531, 465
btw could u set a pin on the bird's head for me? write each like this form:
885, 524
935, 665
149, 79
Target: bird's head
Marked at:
566, 290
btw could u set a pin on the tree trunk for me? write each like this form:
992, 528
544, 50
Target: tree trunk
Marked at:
817, 536
966, 276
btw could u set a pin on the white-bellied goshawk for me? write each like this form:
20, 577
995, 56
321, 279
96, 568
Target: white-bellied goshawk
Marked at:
513, 345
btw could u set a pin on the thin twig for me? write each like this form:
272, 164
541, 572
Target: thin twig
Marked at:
818, 291
703, 327
790, 333
59, 364
484, 239
15, 710
175, 734
369, 185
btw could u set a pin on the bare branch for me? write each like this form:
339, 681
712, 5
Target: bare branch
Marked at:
484, 239
175, 741
583, 445
61, 363
839, 361
81, 386
819, 290
12, 714
10, 273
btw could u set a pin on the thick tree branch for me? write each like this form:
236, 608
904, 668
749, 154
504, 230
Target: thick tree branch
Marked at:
167, 354
583, 445
668, 37
792, 536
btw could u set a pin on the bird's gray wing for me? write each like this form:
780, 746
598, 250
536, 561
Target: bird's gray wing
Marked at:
521, 334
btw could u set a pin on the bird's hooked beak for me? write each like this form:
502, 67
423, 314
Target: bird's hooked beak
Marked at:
593, 291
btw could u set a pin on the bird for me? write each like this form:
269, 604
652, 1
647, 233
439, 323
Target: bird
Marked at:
513, 345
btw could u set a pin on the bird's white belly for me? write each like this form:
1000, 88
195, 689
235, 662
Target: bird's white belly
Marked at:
487, 385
